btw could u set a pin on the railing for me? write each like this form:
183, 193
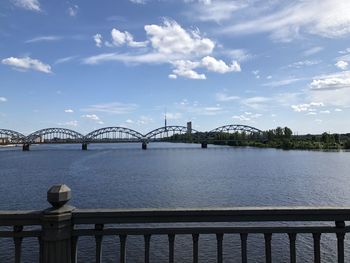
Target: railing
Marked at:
59, 227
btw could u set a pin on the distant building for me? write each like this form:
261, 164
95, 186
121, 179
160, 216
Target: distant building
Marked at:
189, 127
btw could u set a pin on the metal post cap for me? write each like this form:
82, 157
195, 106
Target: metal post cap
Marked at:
58, 195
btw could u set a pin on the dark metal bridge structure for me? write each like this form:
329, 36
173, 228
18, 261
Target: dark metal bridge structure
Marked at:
183, 134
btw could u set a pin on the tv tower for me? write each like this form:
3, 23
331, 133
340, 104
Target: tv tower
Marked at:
165, 124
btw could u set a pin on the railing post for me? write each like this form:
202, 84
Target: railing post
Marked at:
340, 240
57, 226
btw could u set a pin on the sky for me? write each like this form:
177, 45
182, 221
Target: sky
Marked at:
85, 65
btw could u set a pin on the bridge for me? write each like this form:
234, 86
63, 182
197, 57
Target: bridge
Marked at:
223, 134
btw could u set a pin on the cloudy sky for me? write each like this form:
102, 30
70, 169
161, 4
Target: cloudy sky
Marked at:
89, 64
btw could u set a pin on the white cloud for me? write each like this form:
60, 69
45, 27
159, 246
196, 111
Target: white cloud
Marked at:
27, 63
151, 58
218, 10
129, 121
185, 50
171, 39
197, 109
285, 22
307, 106
338, 110
184, 68
241, 117
311, 113
113, 108
144, 120
44, 39
172, 76
237, 54
92, 117
120, 38
247, 116
300, 64
333, 97
138, 1
223, 97
312, 51
345, 55
68, 111
69, 123
256, 74
173, 116
73, 10
325, 112
219, 66
3, 99
347, 50
256, 103
65, 59
331, 81
342, 64
212, 110
32, 5
282, 82
98, 40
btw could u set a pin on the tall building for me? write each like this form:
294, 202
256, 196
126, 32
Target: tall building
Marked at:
189, 127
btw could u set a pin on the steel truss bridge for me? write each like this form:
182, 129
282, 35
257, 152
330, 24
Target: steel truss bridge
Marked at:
225, 133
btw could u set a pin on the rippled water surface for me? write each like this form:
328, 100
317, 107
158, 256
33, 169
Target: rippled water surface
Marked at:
177, 175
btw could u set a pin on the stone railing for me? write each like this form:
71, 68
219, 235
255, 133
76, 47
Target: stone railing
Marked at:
59, 227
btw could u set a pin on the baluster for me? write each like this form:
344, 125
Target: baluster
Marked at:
122, 248
195, 238
98, 239
340, 239
147, 247
74, 249
244, 238
268, 237
219, 238
292, 251
18, 243
171, 238
317, 253
40, 250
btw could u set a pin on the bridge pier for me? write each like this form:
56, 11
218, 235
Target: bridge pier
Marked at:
144, 145
84, 146
204, 145
26, 147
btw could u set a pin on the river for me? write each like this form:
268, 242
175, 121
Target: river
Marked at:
177, 175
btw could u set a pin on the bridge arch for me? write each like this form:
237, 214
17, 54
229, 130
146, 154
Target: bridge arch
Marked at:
54, 135
167, 132
236, 127
114, 134
241, 131
10, 136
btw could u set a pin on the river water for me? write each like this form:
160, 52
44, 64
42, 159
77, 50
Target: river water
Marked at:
177, 175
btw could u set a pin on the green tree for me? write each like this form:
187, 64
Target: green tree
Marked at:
287, 132
325, 138
279, 132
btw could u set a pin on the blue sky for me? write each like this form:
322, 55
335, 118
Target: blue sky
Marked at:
84, 65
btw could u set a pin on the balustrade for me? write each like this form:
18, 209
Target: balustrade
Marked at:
59, 228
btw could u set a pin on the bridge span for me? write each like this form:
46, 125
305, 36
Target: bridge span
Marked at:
227, 133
